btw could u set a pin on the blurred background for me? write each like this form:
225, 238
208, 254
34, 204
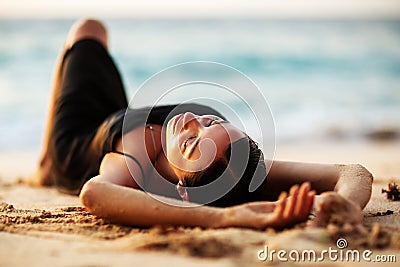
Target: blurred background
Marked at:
330, 70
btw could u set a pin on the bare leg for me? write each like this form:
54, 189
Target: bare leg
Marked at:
85, 28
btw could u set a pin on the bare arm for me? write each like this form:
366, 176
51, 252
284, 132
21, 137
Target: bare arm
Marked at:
129, 206
353, 182
115, 196
119, 204
112, 195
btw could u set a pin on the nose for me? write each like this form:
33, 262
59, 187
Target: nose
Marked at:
190, 120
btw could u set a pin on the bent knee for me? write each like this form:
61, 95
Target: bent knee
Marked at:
87, 28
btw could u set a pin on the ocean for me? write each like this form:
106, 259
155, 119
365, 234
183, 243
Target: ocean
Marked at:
323, 79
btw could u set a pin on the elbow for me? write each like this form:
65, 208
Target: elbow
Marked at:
365, 180
355, 182
364, 175
92, 198
88, 194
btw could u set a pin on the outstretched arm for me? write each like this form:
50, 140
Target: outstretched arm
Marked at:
353, 182
119, 204
115, 196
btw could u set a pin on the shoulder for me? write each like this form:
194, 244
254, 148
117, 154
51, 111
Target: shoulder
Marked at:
114, 169
131, 159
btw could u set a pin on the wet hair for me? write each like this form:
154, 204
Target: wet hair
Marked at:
247, 152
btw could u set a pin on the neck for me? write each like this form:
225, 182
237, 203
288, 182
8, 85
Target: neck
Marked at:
164, 168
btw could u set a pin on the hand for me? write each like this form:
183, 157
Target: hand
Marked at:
332, 208
287, 211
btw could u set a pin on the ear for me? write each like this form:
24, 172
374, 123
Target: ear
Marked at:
182, 191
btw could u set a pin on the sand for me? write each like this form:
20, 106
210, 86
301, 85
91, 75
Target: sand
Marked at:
42, 227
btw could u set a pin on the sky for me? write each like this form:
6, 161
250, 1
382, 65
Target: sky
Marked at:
200, 8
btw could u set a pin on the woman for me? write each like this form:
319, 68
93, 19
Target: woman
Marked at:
87, 144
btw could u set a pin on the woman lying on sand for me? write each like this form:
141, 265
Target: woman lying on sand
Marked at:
83, 153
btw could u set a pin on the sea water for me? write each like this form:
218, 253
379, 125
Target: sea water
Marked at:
322, 79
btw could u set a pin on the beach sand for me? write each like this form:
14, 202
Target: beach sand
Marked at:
42, 227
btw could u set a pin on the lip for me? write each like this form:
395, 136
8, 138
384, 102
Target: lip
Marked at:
177, 118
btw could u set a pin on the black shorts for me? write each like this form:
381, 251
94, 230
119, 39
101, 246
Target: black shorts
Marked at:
89, 114
89, 91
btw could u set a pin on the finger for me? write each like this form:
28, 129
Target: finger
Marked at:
307, 206
310, 202
302, 198
294, 191
281, 205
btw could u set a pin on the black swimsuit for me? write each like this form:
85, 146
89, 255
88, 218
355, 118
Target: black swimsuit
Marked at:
91, 113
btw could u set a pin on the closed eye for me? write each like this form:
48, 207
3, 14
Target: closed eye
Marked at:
185, 143
211, 122
215, 121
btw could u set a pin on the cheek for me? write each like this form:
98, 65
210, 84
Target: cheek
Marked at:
173, 153
169, 145
208, 152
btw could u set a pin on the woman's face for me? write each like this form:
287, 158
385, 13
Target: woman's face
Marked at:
194, 142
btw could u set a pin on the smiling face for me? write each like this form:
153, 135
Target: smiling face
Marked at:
194, 142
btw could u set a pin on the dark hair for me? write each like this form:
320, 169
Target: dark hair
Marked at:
247, 152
